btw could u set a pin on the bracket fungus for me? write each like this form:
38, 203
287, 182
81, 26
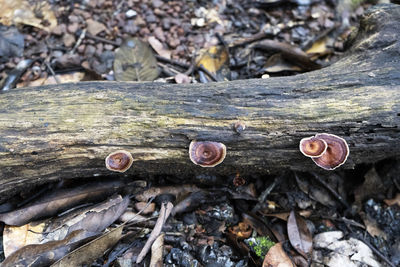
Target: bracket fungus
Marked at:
313, 147
328, 151
119, 161
207, 153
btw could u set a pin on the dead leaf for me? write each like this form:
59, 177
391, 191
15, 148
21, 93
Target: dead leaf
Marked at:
62, 78
158, 47
393, 201
177, 191
134, 61
39, 14
92, 250
276, 63
157, 252
284, 215
241, 231
92, 219
372, 226
11, 43
95, 27
299, 235
59, 200
216, 60
291, 53
46, 254
371, 187
319, 48
16, 237
277, 257
333, 250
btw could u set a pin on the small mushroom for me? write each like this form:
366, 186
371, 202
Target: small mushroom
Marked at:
239, 127
119, 161
207, 153
336, 153
313, 147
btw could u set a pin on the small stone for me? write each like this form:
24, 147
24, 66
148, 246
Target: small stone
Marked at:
89, 51
73, 27
130, 13
59, 29
81, 48
166, 23
109, 47
157, 3
140, 22
151, 18
68, 39
159, 33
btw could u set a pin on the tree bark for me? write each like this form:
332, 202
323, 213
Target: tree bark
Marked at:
66, 131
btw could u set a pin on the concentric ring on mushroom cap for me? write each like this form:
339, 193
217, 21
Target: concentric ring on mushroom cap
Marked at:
119, 161
207, 153
335, 155
313, 147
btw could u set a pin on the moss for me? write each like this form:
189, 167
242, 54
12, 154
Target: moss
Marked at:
260, 245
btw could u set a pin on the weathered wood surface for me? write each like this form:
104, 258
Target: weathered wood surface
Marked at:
66, 131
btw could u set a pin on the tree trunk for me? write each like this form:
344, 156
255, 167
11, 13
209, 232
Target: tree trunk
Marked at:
66, 131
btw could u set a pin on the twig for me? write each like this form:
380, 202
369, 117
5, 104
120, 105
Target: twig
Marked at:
186, 66
102, 39
164, 213
80, 39
376, 251
264, 195
330, 189
52, 71
255, 37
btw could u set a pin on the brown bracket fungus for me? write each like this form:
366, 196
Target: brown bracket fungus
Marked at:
119, 161
313, 147
207, 153
335, 153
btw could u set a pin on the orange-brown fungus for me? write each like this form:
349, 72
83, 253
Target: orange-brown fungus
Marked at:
207, 153
313, 147
119, 161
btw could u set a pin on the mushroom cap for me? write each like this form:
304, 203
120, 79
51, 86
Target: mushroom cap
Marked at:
207, 153
119, 161
313, 147
335, 155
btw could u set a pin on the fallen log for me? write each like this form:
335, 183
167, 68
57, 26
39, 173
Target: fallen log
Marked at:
66, 131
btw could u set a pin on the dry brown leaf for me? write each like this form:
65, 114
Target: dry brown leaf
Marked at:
216, 60
158, 47
241, 231
277, 257
39, 15
276, 63
319, 47
15, 237
393, 201
95, 27
135, 61
92, 250
59, 200
157, 252
45, 254
299, 235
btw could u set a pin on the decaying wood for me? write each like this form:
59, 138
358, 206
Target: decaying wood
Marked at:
65, 131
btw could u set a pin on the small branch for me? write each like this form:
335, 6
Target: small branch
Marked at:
164, 214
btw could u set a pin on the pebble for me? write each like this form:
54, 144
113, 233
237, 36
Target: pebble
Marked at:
130, 13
